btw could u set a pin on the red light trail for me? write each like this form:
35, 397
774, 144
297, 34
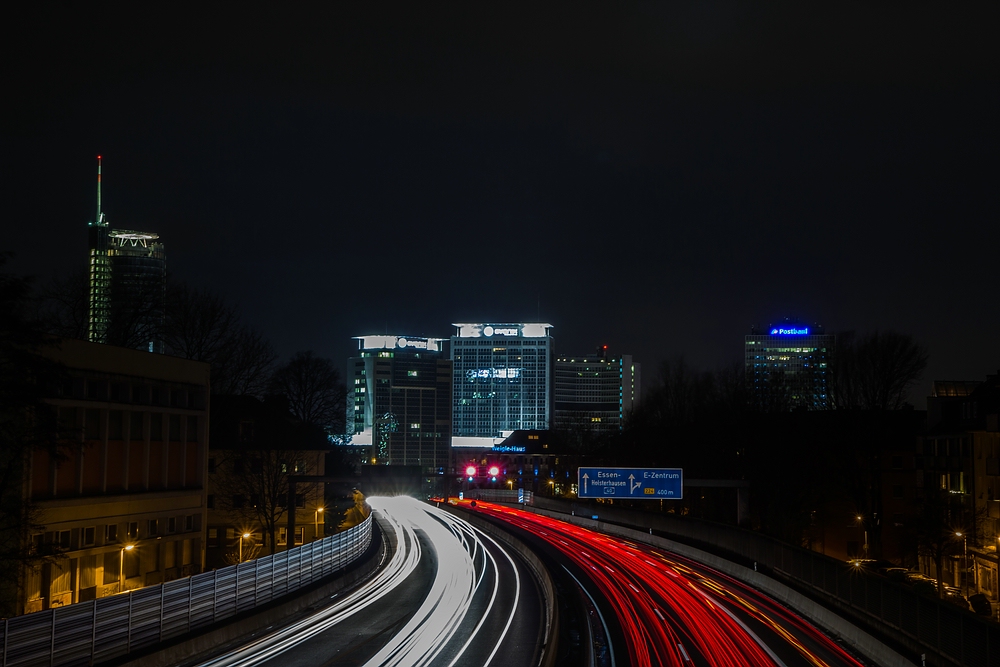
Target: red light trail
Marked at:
673, 611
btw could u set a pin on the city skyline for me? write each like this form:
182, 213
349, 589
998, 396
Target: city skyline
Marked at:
658, 205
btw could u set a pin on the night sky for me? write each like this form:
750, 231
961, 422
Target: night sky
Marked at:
653, 178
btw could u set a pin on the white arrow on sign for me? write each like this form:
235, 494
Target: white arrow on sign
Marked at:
633, 485
585, 478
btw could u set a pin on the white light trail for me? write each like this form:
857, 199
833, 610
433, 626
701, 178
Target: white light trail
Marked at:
462, 565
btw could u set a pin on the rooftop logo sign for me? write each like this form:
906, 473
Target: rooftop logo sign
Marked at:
804, 331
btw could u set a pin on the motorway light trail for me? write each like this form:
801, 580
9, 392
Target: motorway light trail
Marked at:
438, 633
673, 611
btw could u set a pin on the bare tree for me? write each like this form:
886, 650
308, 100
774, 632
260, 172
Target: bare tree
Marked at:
314, 390
204, 327
252, 487
27, 424
62, 306
875, 371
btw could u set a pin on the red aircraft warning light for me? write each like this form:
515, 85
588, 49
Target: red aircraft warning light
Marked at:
470, 471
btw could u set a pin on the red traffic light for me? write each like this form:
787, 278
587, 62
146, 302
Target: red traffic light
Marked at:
470, 471
494, 471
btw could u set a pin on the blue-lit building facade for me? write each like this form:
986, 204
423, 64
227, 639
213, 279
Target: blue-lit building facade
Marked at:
502, 380
400, 387
788, 366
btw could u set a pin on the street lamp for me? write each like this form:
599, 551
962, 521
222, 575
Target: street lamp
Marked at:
861, 523
121, 566
319, 510
965, 560
246, 535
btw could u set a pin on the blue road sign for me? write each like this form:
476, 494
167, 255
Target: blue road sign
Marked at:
635, 483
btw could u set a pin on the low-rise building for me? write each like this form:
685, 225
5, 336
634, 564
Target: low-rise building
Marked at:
122, 504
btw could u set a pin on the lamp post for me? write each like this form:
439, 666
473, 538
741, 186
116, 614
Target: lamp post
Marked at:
246, 535
121, 566
319, 510
861, 523
965, 560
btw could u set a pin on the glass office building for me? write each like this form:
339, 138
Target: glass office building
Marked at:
502, 379
402, 401
595, 392
787, 366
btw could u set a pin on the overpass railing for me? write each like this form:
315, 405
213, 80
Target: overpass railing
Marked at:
948, 634
89, 633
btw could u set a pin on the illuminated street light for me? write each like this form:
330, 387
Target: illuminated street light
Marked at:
965, 560
470, 471
319, 510
246, 535
121, 566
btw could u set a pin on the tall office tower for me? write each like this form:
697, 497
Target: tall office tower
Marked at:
595, 392
127, 284
402, 400
138, 289
99, 274
502, 380
787, 366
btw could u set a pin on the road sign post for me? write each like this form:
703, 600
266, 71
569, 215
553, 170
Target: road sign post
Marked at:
633, 483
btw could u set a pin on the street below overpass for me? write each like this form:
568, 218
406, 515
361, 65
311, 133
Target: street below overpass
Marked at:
446, 595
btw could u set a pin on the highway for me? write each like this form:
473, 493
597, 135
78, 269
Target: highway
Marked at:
446, 595
661, 609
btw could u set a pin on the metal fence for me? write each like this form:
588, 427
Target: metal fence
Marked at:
91, 632
948, 634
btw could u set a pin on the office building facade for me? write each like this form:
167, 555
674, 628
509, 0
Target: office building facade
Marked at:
401, 393
595, 392
788, 366
502, 379
124, 504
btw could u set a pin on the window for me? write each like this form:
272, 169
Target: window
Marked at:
172, 525
411, 374
89, 536
192, 429
897, 491
135, 429
156, 426
175, 428
63, 539
189, 522
133, 530
151, 527
213, 533
238, 501
210, 503
111, 533
283, 535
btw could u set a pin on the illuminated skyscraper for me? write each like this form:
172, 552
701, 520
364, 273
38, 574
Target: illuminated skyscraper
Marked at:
787, 366
402, 401
127, 284
99, 274
502, 380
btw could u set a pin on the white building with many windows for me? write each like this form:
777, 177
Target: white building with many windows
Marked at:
501, 380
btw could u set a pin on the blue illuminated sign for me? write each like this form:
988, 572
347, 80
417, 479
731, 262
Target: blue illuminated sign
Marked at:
636, 483
804, 331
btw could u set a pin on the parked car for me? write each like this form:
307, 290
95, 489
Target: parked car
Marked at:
981, 604
957, 599
897, 574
